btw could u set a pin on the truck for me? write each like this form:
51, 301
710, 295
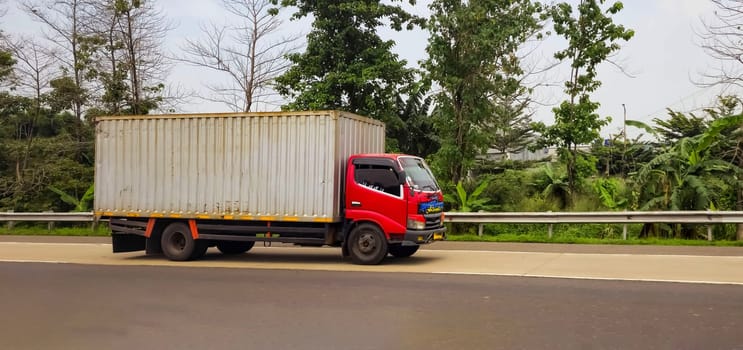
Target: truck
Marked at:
178, 184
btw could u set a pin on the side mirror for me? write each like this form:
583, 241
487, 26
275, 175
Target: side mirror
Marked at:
401, 178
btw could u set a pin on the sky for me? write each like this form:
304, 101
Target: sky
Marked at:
660, 63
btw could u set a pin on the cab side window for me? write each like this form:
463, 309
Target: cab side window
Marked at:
378, 177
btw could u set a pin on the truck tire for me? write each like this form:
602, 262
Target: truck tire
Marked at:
178, 244
367, 245
234, 247
403, 251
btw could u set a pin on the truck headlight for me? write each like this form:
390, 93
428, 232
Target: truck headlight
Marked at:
414, 224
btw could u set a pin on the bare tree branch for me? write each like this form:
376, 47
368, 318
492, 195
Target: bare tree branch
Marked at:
63, 27
131, 67
35, 65
722, 39
250, 54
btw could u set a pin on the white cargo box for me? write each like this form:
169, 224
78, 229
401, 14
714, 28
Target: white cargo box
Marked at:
283, 166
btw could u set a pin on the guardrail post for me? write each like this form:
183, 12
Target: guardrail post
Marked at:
479, 229
549, 231
624, 232
624, 229
709, 232
50, 225
11, 224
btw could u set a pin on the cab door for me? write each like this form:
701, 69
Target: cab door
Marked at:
375, 192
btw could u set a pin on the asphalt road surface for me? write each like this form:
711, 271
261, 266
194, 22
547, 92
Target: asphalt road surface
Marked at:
297, 298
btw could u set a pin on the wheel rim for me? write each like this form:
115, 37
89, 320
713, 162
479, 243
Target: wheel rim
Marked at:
367, 243
178, 241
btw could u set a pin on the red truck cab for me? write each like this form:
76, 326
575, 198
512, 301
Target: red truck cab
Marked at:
392, 205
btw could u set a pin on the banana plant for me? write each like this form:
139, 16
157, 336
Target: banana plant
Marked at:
82, 204
553, 186
470, 202
609, 194
679, 179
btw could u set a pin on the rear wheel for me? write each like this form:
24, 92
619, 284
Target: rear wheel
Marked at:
403, 251
178, 243
367, 245
234, 247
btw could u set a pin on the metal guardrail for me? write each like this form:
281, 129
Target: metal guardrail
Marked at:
613, 217
550, 218
48, 217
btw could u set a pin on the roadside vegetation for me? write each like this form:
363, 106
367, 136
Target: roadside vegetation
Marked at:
44, 230
467, 108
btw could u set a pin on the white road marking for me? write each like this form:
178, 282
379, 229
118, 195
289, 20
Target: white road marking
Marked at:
57, 244
33, 261
583, 277
587, 253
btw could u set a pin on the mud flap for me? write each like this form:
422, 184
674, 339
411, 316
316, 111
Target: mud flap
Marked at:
127, 243
153, 245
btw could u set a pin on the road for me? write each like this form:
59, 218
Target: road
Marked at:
675, 264
297, 298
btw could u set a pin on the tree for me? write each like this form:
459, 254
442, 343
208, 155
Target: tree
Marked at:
250, 54
619, 158
64, 21
686, 177
128, 39
679, 126
346, 65
472, 58
60, 155
32, 74
6, 65
721, 39
728, 123
414, 134
34, 67
512, 125
592, 37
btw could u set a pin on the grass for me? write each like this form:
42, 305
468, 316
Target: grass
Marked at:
538, 238
101, 231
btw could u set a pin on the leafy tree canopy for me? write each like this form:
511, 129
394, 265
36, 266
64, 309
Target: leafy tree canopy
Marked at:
346, 65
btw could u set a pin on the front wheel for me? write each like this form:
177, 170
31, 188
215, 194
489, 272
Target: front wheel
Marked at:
403, 251
367, 245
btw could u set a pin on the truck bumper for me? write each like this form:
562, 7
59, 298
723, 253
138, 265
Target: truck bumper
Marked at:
413, 237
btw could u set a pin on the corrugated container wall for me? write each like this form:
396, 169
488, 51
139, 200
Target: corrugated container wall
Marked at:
252, 166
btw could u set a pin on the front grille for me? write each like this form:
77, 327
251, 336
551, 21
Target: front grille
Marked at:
432, 221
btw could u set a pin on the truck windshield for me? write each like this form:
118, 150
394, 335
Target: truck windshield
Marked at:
418, 174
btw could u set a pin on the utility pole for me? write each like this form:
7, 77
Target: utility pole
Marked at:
624, 132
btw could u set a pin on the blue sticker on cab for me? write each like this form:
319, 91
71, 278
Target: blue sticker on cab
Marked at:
431, 207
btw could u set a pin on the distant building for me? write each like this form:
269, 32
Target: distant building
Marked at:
547, 153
